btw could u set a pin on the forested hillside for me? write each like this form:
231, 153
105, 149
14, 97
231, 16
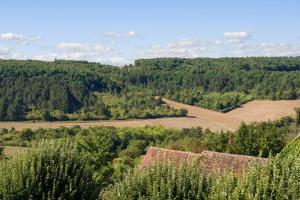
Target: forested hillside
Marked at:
64, 90
60, 90
218, 83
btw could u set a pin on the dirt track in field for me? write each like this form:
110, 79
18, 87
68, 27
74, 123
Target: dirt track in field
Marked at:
257, 110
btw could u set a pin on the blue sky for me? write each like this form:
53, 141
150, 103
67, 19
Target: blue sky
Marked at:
118, 32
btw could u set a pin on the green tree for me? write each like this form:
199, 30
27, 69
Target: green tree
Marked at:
46, 116
260, 138
15, 111
3, 109
99, 146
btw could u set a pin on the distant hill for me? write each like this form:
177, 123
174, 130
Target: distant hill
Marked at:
62, 90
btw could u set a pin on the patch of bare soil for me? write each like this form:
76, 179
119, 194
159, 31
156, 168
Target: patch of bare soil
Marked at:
13, 150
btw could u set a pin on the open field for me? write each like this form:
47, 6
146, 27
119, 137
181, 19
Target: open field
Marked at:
253, 111
257, 110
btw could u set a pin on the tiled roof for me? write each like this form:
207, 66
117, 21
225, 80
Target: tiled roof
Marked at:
210, 161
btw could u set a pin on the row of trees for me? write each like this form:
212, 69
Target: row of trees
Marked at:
104, 106
253, 139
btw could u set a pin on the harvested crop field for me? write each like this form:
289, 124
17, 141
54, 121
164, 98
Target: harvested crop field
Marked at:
257, 110
12, 150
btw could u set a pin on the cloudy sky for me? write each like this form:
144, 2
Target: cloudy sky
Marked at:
118, 32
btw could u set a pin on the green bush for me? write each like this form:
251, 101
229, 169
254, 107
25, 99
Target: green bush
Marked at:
50, 170
279, 179
162, 181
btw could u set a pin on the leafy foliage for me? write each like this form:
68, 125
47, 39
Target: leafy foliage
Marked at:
99, 146
278, 179
52, 170
163, 181
261, 138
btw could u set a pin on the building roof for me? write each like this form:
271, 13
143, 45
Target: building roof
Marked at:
209, 161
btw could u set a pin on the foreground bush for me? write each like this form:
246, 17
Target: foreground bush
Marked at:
163, 181
278, 179
51, 170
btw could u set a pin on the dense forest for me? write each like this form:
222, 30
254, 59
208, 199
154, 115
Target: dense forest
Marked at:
100, 163
218, 83
62, 90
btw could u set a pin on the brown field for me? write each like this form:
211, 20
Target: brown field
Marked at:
12, 150
257, 110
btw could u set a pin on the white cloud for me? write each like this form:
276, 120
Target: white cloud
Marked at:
78, 51
236, 36
65, 56
129, 34
112, 34
260, 49
75, 51
4, 51
132, 34
45, 57
118, 61
182, 48
274, 49
83, 47
230, 45
19, 37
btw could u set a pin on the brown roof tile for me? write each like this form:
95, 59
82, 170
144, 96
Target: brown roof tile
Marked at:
210, 162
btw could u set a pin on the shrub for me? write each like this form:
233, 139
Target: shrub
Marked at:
279, 179
50, 170
161, 181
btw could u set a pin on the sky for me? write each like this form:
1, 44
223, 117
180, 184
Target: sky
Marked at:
119, 32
